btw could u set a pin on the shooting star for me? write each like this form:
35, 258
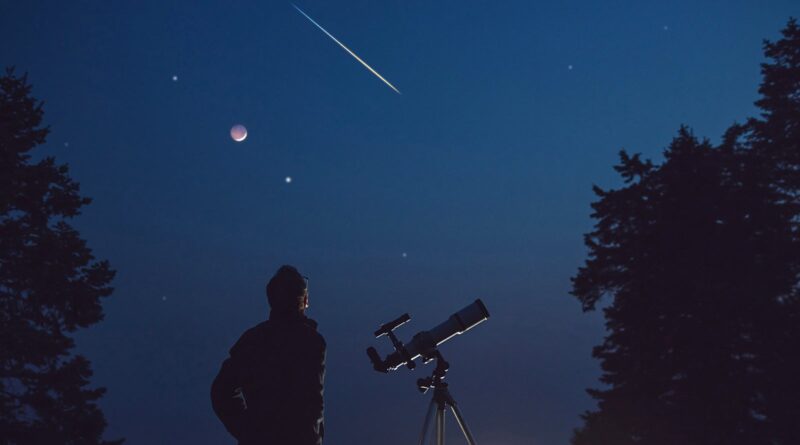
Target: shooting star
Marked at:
347, 49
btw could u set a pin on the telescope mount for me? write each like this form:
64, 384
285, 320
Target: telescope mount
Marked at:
440, 401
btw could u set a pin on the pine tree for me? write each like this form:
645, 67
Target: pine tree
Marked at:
774, 139
50, 285
699, 258
674, 250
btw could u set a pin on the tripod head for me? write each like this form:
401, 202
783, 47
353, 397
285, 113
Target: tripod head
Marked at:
435, 380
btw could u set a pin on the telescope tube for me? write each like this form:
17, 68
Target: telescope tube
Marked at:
425, 342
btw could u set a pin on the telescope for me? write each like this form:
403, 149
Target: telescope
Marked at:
424, 343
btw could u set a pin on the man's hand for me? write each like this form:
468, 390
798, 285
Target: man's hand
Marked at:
238, 393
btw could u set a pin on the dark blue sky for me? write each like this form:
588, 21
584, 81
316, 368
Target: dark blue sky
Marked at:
480, 172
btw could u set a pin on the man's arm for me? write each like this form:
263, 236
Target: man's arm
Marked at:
228, 408
308, 391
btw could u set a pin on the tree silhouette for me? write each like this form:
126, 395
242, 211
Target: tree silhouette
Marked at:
774, 140
699, 258
50, 285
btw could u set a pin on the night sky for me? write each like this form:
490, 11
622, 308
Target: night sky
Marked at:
475, 182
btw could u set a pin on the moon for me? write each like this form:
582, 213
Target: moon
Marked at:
238, 133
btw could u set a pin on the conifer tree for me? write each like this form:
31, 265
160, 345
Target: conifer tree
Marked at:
699, 258
774, 139
671, 250
50, 285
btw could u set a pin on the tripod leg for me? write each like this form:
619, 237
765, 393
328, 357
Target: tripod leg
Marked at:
440, 425
462, 423
427, 422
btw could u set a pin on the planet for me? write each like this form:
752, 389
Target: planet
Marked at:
238, 133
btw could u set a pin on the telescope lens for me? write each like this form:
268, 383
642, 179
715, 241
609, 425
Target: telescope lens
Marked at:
472, 315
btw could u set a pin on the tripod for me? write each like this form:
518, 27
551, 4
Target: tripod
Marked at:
440, 402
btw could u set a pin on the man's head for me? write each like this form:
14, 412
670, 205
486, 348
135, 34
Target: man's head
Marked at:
287, 291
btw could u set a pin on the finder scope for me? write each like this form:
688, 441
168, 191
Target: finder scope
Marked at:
424, 343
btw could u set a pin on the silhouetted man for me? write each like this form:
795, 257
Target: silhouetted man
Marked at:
269, 391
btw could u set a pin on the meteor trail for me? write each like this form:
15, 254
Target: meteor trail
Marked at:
347, 49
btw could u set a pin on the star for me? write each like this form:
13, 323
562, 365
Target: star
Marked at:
569, 67
174, 78
405, 255
163, 298
288, 179
666, 28
66, 144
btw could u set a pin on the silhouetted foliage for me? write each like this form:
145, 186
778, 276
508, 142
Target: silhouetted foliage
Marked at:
700, 259
50, 285
774, 139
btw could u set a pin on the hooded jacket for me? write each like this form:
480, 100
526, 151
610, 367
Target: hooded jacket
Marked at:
269, 391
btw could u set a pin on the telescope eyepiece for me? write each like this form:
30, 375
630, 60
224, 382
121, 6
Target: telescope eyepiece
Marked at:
375, 358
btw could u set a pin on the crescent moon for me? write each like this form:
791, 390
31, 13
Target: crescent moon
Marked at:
238, 133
